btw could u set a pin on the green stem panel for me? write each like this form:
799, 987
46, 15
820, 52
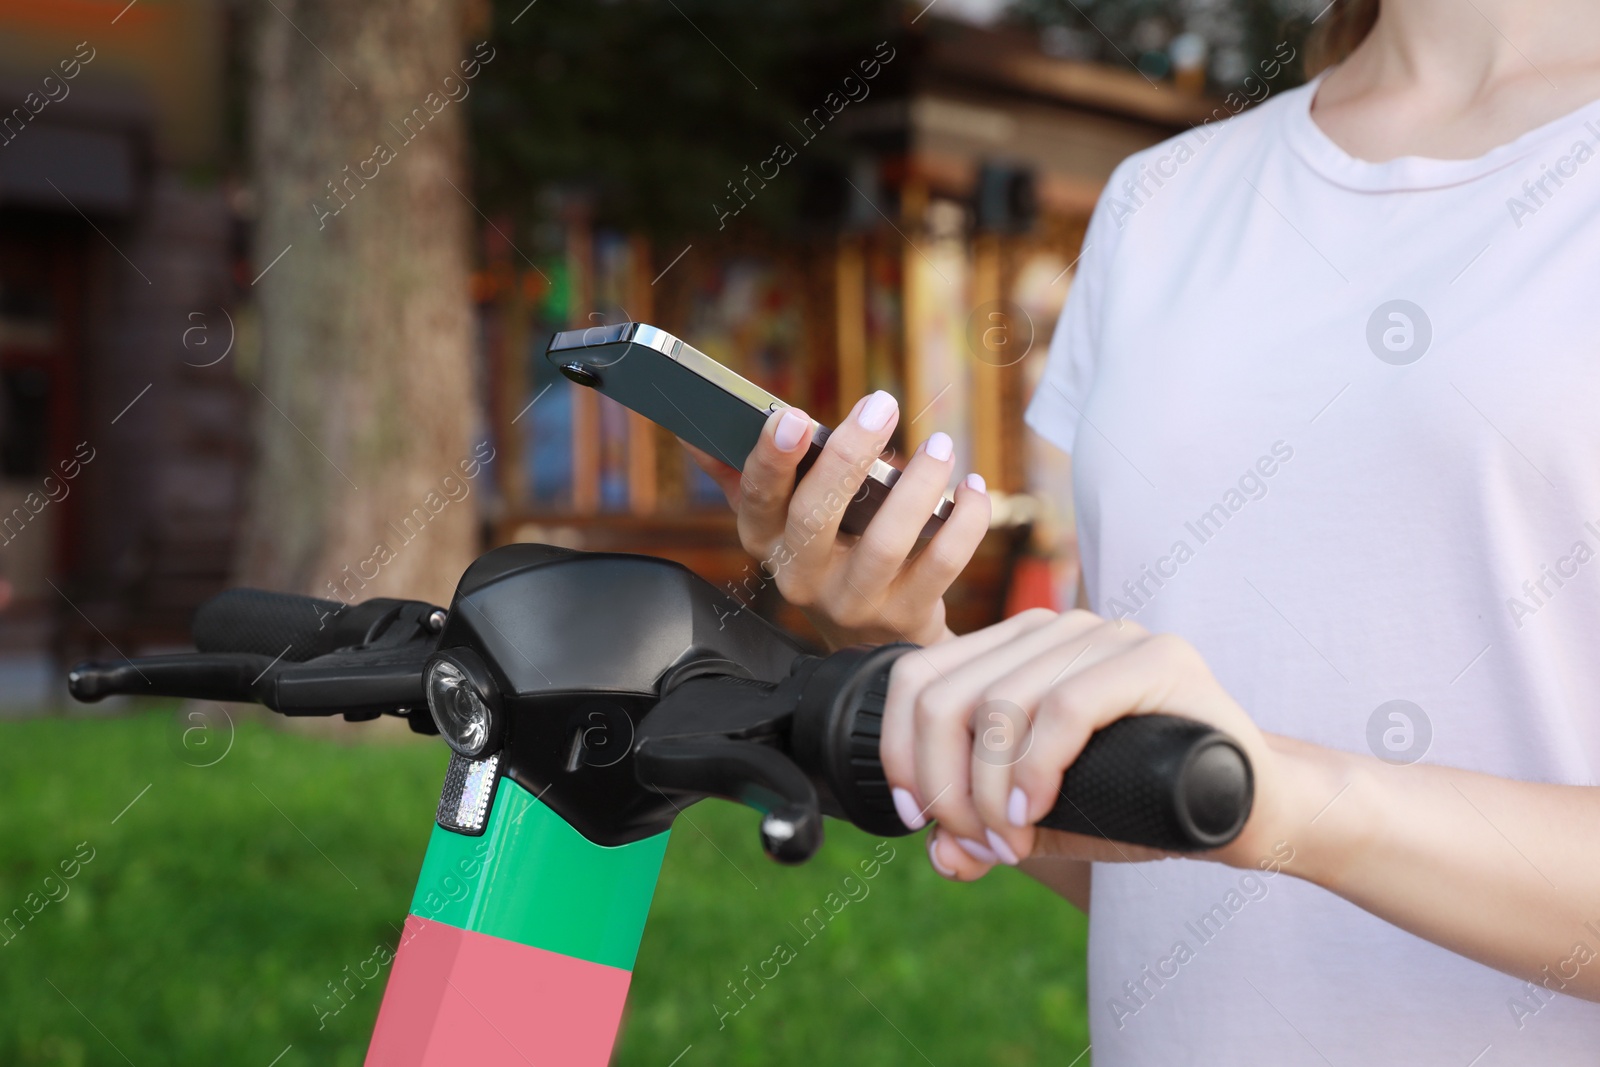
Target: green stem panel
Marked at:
531, 878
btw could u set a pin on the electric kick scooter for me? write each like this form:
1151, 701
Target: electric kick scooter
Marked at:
587, 699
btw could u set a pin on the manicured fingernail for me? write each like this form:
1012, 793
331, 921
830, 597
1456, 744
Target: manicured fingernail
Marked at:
1017, 807
875, 411
933, 857
905, 805
791, 427
975, 481
978, 852
940, 447
1007, 854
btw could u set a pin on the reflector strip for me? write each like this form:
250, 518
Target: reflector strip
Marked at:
468, 785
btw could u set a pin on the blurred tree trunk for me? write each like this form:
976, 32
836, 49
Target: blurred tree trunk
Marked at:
366, 383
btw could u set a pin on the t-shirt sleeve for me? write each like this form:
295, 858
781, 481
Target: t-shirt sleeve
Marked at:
1074, 355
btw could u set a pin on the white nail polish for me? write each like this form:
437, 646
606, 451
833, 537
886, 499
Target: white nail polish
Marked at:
1003, 851
1017, 807
940, 447
975, 481
981, 853
791, 428
905, 806
875, 411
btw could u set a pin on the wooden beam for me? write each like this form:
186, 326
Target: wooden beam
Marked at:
850, 321
585, 402
642, 490
915, 394
988, 357
1006, 62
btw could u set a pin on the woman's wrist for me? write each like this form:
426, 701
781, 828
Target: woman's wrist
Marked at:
1319, 812
837, 637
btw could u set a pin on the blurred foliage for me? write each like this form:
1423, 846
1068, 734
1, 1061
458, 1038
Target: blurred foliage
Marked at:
644, 110
1239, 34
652, 106
207, 925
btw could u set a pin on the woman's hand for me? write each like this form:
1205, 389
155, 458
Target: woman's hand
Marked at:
1491, 868
875, 588
978, 732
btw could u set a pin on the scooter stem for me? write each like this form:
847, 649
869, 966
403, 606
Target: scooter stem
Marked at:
519, 945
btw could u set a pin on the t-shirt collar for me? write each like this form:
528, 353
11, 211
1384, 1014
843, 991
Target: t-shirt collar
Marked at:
1320, 152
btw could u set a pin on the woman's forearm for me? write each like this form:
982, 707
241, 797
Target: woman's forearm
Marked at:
1068, 878
1501, 871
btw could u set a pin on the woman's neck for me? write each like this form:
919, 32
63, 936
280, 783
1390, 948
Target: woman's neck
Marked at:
1450, 79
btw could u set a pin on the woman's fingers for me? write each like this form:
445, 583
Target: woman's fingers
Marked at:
977, 708
852, 591
820, 499
914, 672
950, 549
768, 481
985, 726
1010, 732
949, 711
959, 861
1162, 673
889, 538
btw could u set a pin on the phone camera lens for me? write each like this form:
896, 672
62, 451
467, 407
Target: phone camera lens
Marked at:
581, 373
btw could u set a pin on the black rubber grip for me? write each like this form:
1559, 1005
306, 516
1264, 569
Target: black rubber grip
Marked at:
1158, 780
277, 625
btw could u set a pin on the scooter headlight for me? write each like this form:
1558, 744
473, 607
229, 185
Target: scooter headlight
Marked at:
464, 702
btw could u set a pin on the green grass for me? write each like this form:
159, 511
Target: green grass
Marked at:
218, 906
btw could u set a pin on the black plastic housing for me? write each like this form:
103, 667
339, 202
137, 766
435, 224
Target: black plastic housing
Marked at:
580, 644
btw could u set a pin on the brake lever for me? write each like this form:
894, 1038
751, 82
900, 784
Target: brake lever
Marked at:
356, 683
721, 735
237, 676
747, 771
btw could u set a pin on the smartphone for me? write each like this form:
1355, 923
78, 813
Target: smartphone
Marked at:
703, 402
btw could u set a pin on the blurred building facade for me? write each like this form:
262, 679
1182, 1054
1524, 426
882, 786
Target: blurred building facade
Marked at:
122, 434
126, 341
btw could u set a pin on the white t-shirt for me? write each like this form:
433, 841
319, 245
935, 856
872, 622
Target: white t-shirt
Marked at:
1338, 498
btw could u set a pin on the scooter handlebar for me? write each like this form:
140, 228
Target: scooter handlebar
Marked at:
268, 624
1158, 780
